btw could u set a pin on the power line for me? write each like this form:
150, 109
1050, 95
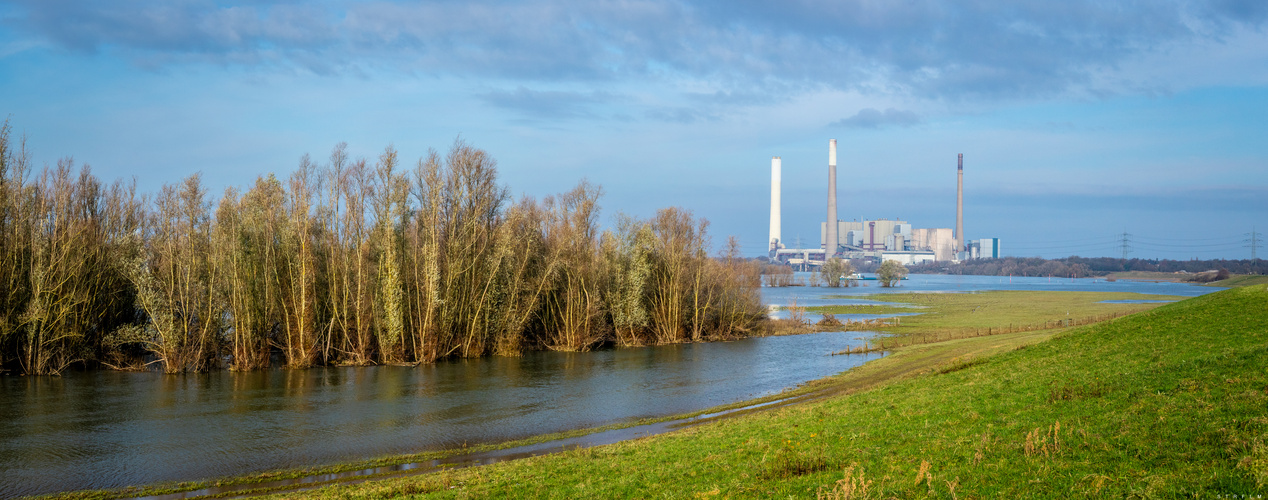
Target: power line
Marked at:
1126, 244
1103, 244
1193, 245
1253, 242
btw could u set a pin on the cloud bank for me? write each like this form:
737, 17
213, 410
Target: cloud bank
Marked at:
924, 48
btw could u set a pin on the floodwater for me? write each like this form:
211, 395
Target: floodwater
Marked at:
940, 283
106, 429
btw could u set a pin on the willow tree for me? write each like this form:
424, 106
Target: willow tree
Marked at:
119, 328
573, 311
239, 275
65, 247
65, 243
890, 272
389, 199
530, 271
352, 267
422, 261
702, 289
835, 272
16, 228
739, 305
471, 256
174, 279
628, 258
678, 245
300, 243
336, 284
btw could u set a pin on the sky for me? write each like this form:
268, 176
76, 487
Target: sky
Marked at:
1080, 121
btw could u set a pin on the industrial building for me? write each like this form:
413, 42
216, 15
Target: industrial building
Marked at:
986, 248
878, 239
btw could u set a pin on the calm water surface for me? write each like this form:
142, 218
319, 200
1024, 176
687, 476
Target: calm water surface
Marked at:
817, 296
109, 429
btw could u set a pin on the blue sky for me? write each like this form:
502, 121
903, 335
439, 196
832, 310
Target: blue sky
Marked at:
1078, 120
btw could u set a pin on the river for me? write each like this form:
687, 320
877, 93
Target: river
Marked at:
104, 429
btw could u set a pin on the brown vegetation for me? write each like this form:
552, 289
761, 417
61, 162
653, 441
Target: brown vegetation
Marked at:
343, 263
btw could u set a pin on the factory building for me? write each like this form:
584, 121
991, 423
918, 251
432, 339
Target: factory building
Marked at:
940, 241
878, 239
886, 239
986, 248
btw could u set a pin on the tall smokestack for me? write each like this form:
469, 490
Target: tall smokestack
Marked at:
959, 204
830, 246
775, 165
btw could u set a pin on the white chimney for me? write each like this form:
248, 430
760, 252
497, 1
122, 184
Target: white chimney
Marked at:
775, 166
959, 204
830, 245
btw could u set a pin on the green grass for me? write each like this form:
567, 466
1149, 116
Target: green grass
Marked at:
1241, 280
1147, 276
864, 309
963, 314
1167, 403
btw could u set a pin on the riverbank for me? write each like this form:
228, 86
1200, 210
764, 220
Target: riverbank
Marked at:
902, 363
947, 311
1163, 403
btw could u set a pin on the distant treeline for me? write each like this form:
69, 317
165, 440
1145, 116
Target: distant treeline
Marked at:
1080, 267
343, 263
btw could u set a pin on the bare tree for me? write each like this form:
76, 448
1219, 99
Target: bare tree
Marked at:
678, 242
573, 311
174, 279
17, 218
390, 196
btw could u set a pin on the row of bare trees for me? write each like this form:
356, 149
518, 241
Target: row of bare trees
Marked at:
349, 262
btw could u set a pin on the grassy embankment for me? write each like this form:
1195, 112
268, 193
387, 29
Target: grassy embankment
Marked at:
1166, 403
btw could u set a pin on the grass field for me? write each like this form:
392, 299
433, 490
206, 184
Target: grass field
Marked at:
1241, 280
1235, 281
1166, 403
959, 315
1147, 276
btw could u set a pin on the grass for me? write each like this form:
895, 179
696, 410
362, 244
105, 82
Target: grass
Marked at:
1237, 280
1165, 403
946, 316
1147, 276
1000, 309
1241, 280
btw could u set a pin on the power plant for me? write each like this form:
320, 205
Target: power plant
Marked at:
878, 239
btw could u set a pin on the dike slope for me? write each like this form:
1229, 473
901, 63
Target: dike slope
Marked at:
1167, 403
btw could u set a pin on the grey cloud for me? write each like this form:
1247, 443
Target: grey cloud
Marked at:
549, 103
873, 118
927, 48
